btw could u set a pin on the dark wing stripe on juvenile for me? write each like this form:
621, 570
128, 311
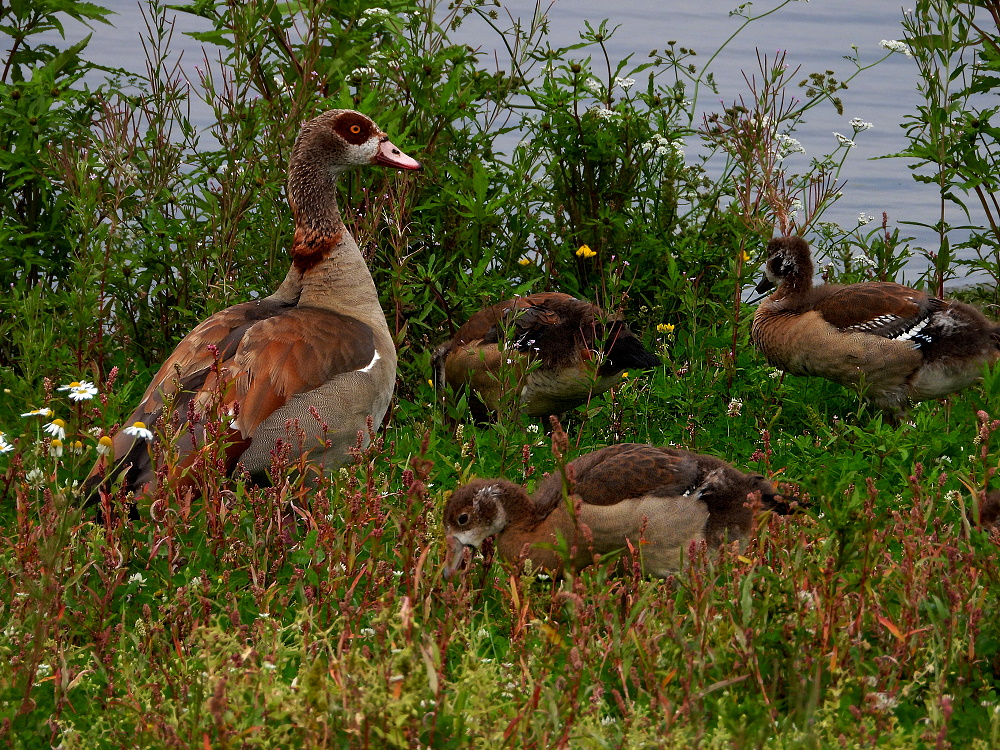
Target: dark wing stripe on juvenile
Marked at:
880, 309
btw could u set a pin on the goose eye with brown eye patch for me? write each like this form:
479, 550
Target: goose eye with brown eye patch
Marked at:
463, 519
355, 129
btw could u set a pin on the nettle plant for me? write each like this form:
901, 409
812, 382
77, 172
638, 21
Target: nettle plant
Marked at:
954, 140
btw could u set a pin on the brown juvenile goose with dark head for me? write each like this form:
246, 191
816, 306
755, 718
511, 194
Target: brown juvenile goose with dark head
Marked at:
658, 500
893, 343
316, 354
559, 351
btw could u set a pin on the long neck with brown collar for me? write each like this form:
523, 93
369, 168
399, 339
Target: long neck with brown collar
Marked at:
332, 271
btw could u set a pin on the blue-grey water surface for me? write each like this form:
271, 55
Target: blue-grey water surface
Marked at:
815, 35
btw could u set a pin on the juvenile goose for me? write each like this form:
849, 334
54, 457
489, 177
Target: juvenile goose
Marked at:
989, 509
892, 343
316, 354
560, 333
623, 495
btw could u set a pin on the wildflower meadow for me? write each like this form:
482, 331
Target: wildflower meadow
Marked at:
286, 614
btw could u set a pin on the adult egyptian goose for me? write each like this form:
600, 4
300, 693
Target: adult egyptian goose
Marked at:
307, 365
892, 343
559, 351
650, 499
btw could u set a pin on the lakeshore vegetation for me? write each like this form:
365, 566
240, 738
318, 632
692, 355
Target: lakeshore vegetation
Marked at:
867, 620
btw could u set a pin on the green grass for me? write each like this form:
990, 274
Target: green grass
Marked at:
864, 621
317, 617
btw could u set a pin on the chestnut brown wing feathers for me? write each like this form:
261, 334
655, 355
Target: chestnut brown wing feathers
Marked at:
193, 358
623, 471
295, 353
266, 353
880, 309
482, 325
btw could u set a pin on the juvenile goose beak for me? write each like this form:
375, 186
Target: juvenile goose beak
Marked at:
390, 156
765, 286
457, 555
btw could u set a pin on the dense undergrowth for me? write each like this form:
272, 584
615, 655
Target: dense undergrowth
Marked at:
293, 617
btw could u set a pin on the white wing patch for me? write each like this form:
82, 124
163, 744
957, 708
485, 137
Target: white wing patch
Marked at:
913, 332
370, 365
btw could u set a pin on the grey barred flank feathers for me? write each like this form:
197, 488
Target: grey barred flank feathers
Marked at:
894, 344
316, 354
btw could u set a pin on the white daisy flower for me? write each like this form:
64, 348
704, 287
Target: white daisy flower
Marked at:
81, 390
139, 431
56, 428
46, 412
5, 447
56, 448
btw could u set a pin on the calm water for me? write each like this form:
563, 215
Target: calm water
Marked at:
816, 35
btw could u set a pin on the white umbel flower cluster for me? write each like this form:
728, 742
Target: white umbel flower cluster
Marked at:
662, 146
785, 145
895, 46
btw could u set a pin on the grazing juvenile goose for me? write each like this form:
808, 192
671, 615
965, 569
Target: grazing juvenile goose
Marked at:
557, 331
892, 343
989, 509
623, 495
317, 353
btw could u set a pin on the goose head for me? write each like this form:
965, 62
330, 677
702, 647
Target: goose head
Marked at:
338, 140
787, 258
476, 512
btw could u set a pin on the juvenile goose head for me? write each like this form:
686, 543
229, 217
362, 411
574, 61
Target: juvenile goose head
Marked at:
653, 499
892, 343
548, 352
317, 354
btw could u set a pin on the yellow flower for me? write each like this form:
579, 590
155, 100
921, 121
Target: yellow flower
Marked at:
665, 328
745, 257
525, 261
625, 374
585, 252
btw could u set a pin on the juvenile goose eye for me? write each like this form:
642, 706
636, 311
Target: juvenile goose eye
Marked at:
463, 519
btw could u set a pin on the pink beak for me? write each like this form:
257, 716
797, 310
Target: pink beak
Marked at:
390, 156
456, 557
